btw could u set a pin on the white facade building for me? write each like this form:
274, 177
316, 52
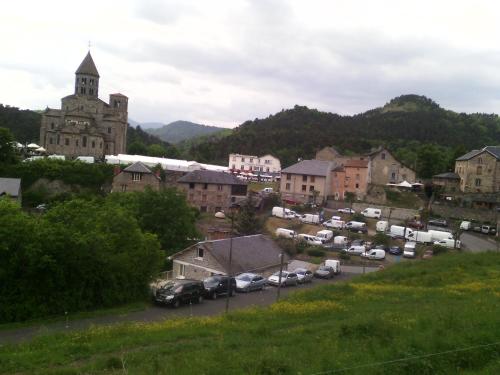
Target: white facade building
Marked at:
249, 163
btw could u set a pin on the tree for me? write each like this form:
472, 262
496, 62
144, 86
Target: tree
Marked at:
7, 151
137, 148
156, 150
349, 197
246, 221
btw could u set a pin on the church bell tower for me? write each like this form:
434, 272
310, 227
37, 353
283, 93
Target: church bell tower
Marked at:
87, 78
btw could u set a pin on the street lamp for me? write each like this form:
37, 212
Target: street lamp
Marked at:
232, 211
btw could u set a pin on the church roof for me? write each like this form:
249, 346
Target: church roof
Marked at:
87, 66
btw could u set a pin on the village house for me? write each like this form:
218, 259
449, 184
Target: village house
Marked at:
448, 182
255, 253
479, 170
307, 181
266, 164
212, 191
11, 188
135, 177
351, 177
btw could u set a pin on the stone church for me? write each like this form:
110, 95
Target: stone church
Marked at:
86, 125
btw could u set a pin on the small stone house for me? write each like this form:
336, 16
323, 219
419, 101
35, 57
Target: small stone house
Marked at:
449, 182
212, 191
385, 169
479, 170
256, 253
136, 177
11, 187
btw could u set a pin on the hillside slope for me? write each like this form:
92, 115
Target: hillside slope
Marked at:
403, 125
425, 317
178, 131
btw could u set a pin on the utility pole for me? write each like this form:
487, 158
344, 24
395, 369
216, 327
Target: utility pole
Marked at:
279, 279
229, 269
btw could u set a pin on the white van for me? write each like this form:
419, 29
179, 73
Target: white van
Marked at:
57, 157
311, 240
309, 219
286, 233
372, 212
448, 243
419, 236
409, 250
357, 226
399, 231
438, 235
465, 225
336, 224
382, 226
325, 235
282, 212
86, 159
335, 264
340, 240
374, 254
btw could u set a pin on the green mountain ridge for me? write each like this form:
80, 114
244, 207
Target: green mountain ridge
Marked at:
179, 131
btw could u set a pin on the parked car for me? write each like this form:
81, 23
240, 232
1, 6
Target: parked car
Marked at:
286, 233
310, 219
374, 254
325, 235
416, 224
309, 239
287, 279
246, 282
356, 250
488, 229
324, 272
409, 249
176, 292
450, 243
438, 222
395, 250
465, 225
333, 223
217, 285
357, 226
358, 243
346, 211
303, 275
372, 212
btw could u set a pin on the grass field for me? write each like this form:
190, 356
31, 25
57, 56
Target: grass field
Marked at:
423, 317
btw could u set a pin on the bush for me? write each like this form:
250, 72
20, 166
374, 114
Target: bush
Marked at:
288, 245
382, 239
301, 247
344, 256
299, 209
358, 217
316, 251
438, 249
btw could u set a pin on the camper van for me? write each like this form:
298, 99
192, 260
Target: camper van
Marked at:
409, 250
282, 212
326, 235
372, 212
399, 231
356, 226
286, 233
419, 236
311, 240
382, 226
309, 219
335, 224
438, 235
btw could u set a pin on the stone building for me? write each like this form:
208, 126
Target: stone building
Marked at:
86, 125
385, 169
306, 181
212, 191
255, 253
135, 177
351, 177
449, 182
479, 170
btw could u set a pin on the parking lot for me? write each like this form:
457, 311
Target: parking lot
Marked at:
158, 313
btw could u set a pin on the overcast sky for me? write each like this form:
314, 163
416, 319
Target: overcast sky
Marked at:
224, 62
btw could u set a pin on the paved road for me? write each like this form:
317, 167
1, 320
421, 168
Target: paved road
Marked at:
475, 242
156, 313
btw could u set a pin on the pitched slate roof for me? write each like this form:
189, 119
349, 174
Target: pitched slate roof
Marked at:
249, 253
211, 177
493, 150
448, 175
10, 186
137, 167
87, 66
311, 167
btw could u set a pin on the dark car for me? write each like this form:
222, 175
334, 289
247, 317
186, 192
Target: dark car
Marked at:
395, 250
324, 272
416, 224
438, 222
176, 292
217, 285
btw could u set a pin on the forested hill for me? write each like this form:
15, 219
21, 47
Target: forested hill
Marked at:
418, 130
179, 131
25, 126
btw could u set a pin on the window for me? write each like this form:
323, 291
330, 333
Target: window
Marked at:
479, 160
382, 156
304, 178
76, 143
93, 144
393, 175
288, 176
84, 81
52, 125
311, 188
242, 160
357, 177
136, 176
477, 182
251, 160
58, 139
203, 209
267, 169
304, 187
267, 161
200, 253
84, 141
109, 130
234, 166
404, 177
66, 141
124, 188
205, 186
91, 81
357, 186
287, 187
220, 187
313, 179
204, 198
479, 170
82, 90
242, 167
182, 270
191, 185
91, 91
50, 140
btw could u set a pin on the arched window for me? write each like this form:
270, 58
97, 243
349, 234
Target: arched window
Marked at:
84, 141
93, 144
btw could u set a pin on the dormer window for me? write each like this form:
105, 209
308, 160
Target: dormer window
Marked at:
382, 156
199, 253
136, 176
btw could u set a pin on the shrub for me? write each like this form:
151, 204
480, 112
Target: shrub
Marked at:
344, 256
301, 247
438, 249
358, 217
382, 239
315, 252
288, 245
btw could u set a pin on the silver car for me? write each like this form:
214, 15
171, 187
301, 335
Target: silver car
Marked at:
246, 282
287, 278
304, 275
